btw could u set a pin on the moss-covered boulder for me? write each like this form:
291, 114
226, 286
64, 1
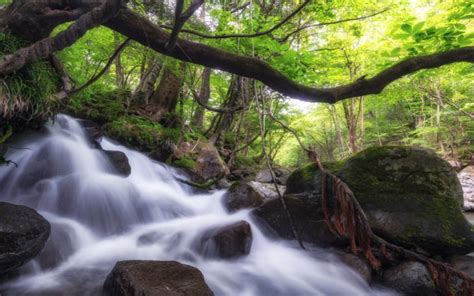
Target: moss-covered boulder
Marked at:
411, 197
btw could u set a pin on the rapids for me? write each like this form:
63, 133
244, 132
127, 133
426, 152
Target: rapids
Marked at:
99, 218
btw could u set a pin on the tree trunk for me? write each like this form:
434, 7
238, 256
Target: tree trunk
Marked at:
147, 82
119, 75
165, 98
204, 95
236, 96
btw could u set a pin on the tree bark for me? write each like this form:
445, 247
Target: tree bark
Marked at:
204, 95
165, 98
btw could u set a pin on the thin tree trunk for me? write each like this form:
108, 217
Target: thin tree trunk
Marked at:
204, 95
119, 73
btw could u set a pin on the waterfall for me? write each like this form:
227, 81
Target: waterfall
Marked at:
99, 218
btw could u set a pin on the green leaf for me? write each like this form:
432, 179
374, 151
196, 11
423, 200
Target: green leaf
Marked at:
418, 27
406, 27
395, 52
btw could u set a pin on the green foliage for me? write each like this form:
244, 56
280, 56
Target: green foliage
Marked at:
136, 131
26, 95
101, 106
185, 162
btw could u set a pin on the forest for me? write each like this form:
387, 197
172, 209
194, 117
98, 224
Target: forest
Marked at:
214, 132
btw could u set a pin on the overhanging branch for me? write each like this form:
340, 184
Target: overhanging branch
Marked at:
148, 34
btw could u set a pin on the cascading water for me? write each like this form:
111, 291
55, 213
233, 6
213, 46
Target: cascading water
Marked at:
99, 218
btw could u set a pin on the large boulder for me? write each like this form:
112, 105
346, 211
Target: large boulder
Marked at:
155, 278
230, 241
410, 278
410, 196
23, 234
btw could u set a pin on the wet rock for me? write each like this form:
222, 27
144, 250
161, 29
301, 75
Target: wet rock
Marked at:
307, 215
410, 278
23, 234
411, 197
241, 196
155, 278
119, 162
357, 264
463, 263
231, 241
466, 178
93, 131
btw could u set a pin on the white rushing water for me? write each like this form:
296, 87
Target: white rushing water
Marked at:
99, 218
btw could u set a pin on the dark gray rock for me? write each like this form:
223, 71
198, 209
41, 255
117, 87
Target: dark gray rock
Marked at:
240, 196
308, 218
357, 264
410, 278
119, 161
231, 241
155, 278
23, 234
93, 132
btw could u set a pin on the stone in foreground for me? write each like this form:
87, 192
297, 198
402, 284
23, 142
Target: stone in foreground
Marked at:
155, 278
23, 234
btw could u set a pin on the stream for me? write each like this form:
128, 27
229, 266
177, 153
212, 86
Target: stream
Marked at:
99, 218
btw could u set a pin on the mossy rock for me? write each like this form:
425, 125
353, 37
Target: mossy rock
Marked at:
411, 196
308, 178
101, 107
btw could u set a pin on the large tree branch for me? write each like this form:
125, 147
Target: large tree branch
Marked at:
47, 46
145, 32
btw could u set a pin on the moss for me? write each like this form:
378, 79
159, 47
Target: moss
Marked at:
101, 107
185, 163
136, 132
26, 96
308, 177
416, 191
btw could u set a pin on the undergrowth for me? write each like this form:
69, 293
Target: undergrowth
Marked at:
26, 95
